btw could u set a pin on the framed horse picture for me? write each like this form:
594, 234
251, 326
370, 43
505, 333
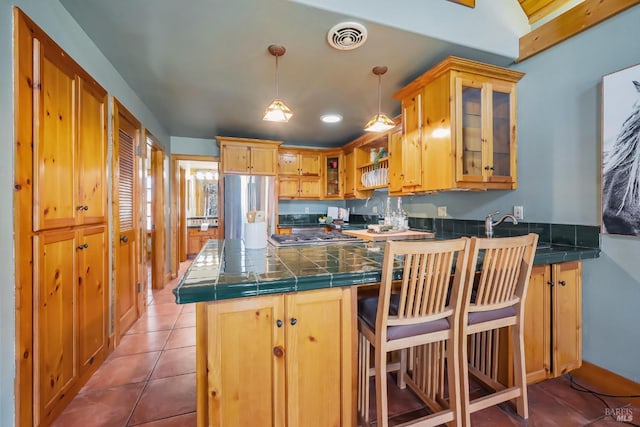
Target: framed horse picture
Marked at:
621, 152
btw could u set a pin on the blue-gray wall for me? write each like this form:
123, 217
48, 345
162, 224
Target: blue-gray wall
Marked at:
58, 24
559, 151
194, 146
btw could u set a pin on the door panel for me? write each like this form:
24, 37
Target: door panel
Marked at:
92, 297
54, 145
567, 317
537, 329
314, 337
55, 298
127, 219
92, 153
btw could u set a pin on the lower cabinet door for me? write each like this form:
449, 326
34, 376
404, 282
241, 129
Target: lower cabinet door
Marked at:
318, 335
55, 296
567, 317
537, 328
245, 358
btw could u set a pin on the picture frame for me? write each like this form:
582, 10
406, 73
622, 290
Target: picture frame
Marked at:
620, 167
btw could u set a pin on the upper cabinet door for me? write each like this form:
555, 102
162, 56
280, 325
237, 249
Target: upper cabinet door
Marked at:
471, 130
235, 158
92, 153
264, 160
503, 129
55, 203
310, 164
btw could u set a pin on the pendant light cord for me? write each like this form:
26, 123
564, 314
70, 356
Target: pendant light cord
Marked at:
277, 92
379, 94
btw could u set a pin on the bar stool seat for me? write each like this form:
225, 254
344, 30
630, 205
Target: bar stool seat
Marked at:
417, 319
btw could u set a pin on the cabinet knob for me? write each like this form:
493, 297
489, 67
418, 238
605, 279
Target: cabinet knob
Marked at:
563, 283
81, 247
550, 283
294, 321
278, 351
83, 208
124, 239
489, 168
279, 323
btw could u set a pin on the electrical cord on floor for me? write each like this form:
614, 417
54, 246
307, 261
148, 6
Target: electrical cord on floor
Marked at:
579, 387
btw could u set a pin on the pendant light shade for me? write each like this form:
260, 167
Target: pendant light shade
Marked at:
380, 122
277, 111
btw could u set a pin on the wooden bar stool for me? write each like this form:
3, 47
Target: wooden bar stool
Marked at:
421, 316
494, 299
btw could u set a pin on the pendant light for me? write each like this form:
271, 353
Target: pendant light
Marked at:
380, 122
277, 111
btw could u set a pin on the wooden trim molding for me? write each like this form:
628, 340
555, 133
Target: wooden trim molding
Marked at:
468, 3
575, 20
605, 381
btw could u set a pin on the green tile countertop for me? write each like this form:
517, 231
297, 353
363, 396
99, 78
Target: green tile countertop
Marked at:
224, 269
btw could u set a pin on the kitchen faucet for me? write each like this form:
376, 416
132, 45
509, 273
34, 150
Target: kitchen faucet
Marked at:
489, 224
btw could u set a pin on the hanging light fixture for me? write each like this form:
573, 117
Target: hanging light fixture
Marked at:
277, 111
380, 122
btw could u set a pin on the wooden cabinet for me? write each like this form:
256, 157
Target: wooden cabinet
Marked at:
553, 319
248, 156
282, 359
70, 146
405, 149
299, 174
70, 313
333, 175
466, 126
196, 239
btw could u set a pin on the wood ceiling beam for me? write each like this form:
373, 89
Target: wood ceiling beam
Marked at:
575, 20
468, 3
536, 10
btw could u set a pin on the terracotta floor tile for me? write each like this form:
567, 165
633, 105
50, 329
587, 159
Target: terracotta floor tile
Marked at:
183, 337
546, 410
160, 308
127, 369
164, 298
166, 397
153, 323
175, 361
188, 308
110, 407
187, 420
141, 343
186, 320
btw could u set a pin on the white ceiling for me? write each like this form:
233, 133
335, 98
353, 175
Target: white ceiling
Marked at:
202, 66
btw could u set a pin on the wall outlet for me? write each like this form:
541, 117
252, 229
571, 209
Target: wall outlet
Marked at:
518, 212
442, 211
374, 209
306, 210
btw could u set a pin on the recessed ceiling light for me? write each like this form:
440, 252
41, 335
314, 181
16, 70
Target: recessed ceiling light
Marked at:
331, 118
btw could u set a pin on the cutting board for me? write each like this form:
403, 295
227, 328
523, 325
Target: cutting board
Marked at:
390, 235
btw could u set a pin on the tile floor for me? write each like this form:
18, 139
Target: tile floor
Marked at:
149, 380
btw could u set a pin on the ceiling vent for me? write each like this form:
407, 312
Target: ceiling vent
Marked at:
347, 35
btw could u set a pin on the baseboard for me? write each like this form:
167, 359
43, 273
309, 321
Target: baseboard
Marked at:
605, 381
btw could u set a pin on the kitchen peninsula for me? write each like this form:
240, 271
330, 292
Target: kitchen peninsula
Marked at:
276, 328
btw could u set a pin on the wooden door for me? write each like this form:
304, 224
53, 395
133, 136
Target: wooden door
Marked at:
412, 141
93, 314
126, 219
235, 159
396, 171
350, 174
288, 187
288, 163
264, 160
318, 336
537, 327
246, 381
92, 153
310, 188
309, 164
54, 202
158, 252
567, 317
55, 296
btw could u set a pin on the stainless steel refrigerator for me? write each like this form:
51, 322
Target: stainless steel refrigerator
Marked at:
244, 193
